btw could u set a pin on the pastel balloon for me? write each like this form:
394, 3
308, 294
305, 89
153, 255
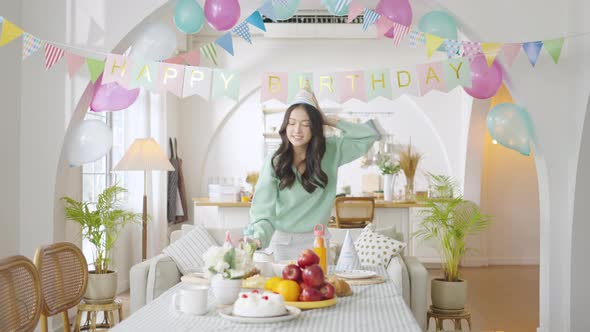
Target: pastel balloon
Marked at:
111, 96
188, 16
156, 42
284, 12
331, 6
511, 126
485, 80
439, 23
87, 142
398, 11
222, 15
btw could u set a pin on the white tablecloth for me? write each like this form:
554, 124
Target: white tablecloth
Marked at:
371, 308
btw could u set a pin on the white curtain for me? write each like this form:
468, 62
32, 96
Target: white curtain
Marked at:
145, 118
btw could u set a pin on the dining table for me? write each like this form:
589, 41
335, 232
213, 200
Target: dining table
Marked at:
373, 307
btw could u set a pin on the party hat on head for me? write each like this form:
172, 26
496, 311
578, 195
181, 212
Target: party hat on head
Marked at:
305, 96
349, 259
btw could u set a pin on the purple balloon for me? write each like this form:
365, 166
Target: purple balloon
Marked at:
222, 15
485, 80
111, 96
398, 11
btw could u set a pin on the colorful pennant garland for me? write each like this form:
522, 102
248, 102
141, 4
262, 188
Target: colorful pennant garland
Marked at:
243, 31
31, 44
210, 51
370, 18
532, 50
354, 11
553, 47
226, 42
9, 32
52, 55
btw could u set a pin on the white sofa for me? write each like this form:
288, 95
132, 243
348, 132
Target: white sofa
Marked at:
151, 278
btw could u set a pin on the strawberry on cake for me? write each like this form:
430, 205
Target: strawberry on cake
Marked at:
256, 304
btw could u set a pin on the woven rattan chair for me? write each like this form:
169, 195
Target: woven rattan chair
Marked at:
20, 294
354, 212
64, 275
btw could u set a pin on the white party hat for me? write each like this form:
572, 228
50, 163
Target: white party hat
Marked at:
349, 259
305, 96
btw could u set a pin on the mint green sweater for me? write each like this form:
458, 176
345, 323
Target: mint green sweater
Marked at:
294, 209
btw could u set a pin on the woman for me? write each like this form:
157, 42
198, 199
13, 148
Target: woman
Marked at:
297, 185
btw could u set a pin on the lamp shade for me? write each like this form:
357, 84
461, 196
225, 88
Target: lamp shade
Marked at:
144, 155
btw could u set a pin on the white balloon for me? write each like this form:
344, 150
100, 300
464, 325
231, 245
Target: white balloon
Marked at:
156, 42
89, 141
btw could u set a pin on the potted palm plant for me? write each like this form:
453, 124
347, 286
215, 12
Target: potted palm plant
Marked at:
448, 219
101, 226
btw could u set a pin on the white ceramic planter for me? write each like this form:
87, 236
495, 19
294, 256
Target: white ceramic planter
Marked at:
226, 291
102, 288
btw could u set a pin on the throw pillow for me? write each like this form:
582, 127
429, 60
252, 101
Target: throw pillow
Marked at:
375, 249
188, 251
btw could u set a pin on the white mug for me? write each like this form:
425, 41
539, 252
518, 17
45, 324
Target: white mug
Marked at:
191, 299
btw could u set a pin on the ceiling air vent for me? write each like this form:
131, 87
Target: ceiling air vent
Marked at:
317, 25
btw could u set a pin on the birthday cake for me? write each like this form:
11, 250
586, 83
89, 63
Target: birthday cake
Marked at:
256, 304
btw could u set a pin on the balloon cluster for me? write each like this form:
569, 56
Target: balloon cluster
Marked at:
511, 126
87, 142
398, 11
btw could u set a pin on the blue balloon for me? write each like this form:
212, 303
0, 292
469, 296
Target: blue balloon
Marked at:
284, 12
331, 6
511, 126
440, 24
188, 16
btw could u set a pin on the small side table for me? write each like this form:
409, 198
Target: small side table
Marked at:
91, 312
455, 316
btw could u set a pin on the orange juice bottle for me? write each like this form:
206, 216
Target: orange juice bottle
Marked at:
319, 246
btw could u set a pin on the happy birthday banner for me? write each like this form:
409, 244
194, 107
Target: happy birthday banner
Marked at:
366, 85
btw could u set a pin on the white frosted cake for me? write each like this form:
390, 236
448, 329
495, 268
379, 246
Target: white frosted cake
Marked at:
256, 304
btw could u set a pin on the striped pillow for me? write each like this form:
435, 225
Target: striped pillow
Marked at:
188, 251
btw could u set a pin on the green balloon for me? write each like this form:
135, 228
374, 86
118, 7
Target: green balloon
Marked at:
440, 24
283, 12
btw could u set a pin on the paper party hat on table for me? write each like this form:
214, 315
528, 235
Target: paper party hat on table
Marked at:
349, 259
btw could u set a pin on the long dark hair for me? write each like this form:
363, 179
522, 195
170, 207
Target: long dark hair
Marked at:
282, 160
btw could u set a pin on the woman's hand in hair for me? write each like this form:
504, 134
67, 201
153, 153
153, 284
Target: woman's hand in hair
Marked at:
331, 120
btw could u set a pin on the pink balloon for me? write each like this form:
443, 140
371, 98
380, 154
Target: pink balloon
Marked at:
222, 14
485, 80
111, 96
398, 11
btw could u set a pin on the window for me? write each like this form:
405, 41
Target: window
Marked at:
96, 176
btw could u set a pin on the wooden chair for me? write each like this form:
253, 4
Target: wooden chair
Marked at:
345, 208
20, 294
64, 277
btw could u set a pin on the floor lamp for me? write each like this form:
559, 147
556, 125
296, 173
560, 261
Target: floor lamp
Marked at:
144, 155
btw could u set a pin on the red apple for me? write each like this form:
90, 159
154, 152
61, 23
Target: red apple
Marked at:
328, 291
307, 258
292, 272
303, 285
313, 276
311, 294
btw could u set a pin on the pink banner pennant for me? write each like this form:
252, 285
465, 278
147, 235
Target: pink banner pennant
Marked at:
177, 60
171, 78
351, 84
511, 52
116, 69
275, 86
74, 62
399, 33
354, 10
52, 55
193, 57
383, 25
431, 77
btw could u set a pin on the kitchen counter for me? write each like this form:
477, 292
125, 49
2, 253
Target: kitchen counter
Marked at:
203, 201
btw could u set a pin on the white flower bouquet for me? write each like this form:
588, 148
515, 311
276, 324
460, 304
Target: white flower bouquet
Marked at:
229, 262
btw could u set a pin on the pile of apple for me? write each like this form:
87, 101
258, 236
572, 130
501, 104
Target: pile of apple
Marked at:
310, 277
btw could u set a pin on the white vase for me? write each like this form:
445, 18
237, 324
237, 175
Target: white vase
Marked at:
388, 182
226, 291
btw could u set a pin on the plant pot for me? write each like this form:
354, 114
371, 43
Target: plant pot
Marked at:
226, 291
102, 288
448, 295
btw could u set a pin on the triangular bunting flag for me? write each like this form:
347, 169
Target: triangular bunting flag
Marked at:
193, 57
9, 32
399, 33
52, 55
510, 52
491, 50
532, 50
501, 96
340, 5
95, 67
416, 37
256, 20
210, 51
226, 43
282, 2
31, 44
553, 47
432, 44
354, 10
268, 10
471, 49
383, 25
370, 18
243, 30
1, 19
453, 48
74, 62
95, 33
178, 60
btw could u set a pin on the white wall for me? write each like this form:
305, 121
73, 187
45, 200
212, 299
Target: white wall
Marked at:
10, 89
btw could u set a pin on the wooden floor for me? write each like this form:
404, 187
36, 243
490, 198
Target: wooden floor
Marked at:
500, 298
